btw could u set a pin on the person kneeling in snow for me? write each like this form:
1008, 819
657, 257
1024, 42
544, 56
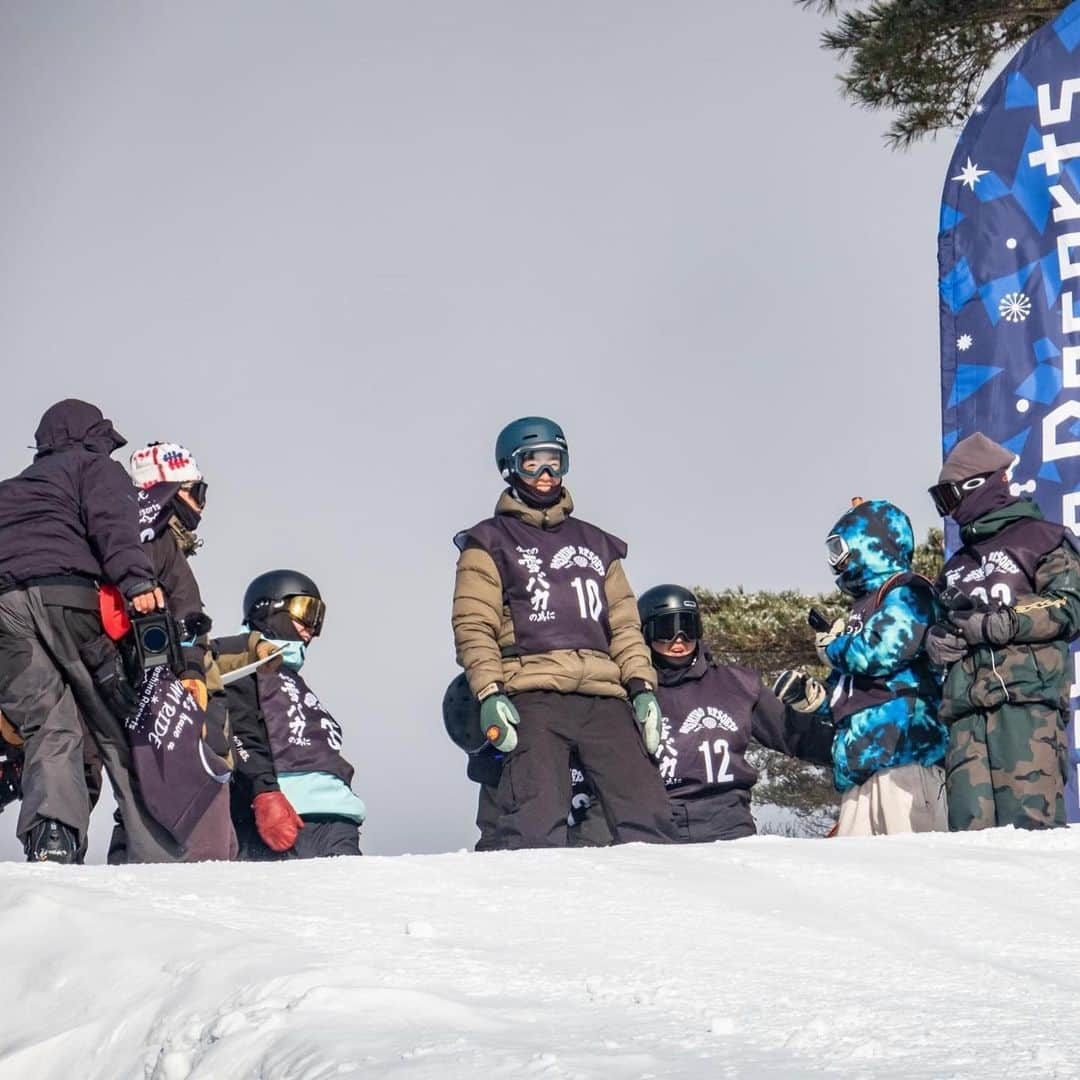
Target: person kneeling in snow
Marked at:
710, 713
890, 744
291, 790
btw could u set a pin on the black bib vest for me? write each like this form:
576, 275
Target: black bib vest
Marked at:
857, 692
552, 579
706, 729
1002, 567
304, 737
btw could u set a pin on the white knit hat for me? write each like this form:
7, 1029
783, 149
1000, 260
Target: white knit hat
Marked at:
161, 463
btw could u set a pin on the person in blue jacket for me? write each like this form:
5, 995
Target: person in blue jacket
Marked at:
882, 693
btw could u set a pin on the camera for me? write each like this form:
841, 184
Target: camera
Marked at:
157, 641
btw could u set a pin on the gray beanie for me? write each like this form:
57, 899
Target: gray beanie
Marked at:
974, 456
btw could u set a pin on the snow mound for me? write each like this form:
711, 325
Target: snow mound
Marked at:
931, 956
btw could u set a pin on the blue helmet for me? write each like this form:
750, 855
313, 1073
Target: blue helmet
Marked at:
528, 433
868, 545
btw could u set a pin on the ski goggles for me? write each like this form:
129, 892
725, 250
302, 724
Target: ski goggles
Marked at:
197, 490
531, 462
307, 610
947, 497
837, 552
671, 625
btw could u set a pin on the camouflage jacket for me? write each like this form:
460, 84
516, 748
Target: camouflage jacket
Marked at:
1020, 559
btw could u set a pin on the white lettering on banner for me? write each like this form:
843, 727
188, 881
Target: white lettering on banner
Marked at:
1051, 155
1065, 244
1053, 450
1070, 513
1068, 209
1070, 366
1070, 320
1048, 114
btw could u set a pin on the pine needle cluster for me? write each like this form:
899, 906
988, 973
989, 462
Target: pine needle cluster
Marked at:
925, 60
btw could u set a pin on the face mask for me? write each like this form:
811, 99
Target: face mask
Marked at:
530, 497
976, 502
292, 653
187, 515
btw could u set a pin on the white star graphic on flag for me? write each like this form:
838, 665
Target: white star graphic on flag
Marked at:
970, 174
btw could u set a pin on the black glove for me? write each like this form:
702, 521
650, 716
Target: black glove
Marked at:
102, 660
986, 627
800, 691
944, 647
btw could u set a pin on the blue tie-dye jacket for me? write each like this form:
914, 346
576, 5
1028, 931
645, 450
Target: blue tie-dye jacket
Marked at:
883, 694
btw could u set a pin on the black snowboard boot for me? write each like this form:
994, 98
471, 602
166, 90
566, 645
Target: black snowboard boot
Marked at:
52, 841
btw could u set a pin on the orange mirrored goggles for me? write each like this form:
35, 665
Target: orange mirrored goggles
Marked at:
308, 610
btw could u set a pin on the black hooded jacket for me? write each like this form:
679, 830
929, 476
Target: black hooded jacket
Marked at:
74, 510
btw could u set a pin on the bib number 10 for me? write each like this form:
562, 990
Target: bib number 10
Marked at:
717, 773
590, 602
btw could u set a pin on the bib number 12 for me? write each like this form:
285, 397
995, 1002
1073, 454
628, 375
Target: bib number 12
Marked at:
722, 774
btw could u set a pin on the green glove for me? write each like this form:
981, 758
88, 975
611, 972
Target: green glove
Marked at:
498, 718
647, 713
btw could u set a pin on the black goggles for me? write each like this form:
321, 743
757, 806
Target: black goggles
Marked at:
837, 552
531, 462
947, 497
307, 610
197, 490
671, 625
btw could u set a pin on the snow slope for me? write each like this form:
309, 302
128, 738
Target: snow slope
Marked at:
941, 956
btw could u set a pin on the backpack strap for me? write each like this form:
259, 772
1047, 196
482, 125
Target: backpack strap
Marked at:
904, 577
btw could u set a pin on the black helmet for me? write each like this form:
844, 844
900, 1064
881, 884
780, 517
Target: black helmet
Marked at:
285, 590
667, 611
461, 715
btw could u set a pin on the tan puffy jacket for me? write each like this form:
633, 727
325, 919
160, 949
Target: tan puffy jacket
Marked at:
483, 628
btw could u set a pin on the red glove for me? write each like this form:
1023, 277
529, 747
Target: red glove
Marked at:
277, 821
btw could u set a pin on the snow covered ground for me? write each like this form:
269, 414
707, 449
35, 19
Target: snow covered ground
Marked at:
941, 956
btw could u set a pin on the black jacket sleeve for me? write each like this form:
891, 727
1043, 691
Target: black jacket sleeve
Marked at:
181, 595
801, 735
253, 757
110, 514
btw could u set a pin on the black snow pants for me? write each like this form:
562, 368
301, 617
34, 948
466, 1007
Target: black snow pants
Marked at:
323, 836
48, 694
534, 791
592, 832
723, 816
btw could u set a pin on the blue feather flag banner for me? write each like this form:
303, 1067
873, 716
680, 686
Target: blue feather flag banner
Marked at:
1009, 266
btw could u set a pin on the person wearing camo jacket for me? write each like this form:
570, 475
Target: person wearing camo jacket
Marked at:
1012, 595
